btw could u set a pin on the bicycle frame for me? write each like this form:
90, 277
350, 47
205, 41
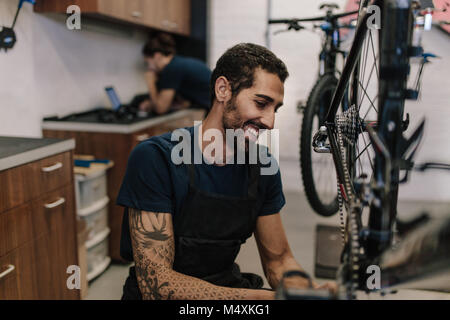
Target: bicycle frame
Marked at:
381, 218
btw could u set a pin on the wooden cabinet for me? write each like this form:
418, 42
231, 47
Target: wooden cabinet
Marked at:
117, 147
18, 280
168, 15
38, 230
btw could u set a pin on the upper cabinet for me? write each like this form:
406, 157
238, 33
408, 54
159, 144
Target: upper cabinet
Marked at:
168, 15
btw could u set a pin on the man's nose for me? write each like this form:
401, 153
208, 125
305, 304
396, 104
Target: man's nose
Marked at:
268, 119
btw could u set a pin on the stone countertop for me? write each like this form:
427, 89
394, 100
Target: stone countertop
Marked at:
15, 151
114, 127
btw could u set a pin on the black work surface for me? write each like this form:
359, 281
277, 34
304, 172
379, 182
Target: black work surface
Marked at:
11, 146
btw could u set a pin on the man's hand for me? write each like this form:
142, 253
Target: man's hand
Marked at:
151, 76
330, 286
303, 283
145, 105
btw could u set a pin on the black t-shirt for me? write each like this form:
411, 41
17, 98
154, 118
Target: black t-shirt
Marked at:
153, 182
189, 77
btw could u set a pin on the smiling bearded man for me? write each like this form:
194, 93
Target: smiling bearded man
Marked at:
184, 223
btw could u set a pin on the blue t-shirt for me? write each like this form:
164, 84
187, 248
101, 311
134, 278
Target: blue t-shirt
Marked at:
189, 77
153, 182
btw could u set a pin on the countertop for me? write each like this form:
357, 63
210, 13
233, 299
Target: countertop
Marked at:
15, 151
114, 127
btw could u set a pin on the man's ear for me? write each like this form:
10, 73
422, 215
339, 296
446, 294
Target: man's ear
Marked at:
222, 89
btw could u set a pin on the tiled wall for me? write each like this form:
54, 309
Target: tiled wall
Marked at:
52, 70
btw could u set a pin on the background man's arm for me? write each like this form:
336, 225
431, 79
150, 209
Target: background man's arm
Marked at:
161, 100
154, 249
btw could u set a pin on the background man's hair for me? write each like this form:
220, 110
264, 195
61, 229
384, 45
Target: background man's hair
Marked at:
238, 65
159, 42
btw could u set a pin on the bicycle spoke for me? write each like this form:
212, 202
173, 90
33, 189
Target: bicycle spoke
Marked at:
368, 155
364, 59
365, 148
368, 110
375, 56
359, 161
368, 80
366, 94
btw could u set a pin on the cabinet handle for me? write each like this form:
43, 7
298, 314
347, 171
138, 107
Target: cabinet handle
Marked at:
169, 24
142, 137
166, 23
54, 167
7, 271
136, 14
52, 205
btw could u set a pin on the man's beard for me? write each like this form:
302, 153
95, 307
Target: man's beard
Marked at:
232, 120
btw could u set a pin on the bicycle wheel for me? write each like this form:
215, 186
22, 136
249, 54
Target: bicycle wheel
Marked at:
378, 84
318, 172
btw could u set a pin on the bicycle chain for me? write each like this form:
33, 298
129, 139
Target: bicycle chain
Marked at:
347, 122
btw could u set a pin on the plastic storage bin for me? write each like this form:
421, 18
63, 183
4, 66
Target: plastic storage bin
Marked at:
96, 217
97, 254
90, 188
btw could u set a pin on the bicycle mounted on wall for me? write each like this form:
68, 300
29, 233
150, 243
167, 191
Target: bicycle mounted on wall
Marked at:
361, 127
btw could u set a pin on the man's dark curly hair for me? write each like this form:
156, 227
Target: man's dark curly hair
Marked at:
238, 65
160, 42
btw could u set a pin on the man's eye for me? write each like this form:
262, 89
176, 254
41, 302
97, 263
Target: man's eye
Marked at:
260, 104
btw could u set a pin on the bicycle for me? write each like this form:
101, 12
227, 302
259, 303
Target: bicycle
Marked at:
374, 127
321, 195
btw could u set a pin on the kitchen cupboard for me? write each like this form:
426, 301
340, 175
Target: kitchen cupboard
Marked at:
38, 229
168, 15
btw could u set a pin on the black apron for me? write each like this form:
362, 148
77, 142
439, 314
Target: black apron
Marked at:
209, 232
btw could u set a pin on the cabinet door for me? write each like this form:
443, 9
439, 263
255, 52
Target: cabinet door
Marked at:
51, 268
179, 16
56, 249
15, 228
9, 285
168, 15
129, 10
18, 276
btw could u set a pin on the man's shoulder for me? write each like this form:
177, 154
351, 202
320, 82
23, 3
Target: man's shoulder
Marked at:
190, 62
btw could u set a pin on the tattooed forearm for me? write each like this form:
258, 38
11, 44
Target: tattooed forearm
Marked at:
154, 250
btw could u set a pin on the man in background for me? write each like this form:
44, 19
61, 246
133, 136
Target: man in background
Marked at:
173, 80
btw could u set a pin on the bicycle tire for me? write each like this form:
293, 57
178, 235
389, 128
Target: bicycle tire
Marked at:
325, 84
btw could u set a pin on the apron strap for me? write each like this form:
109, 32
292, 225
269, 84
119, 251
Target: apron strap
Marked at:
253, 180
191, 172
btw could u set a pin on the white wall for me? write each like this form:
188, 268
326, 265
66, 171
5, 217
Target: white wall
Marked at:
234, 21
52, 70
